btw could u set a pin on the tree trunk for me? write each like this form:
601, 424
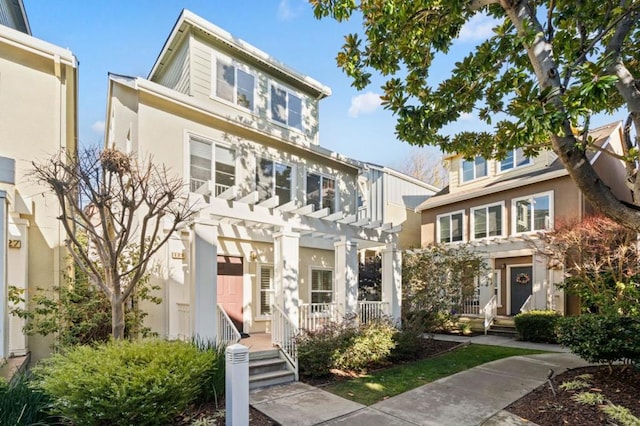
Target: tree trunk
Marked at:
117, 317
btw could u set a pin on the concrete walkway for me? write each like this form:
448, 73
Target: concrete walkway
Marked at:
476, 396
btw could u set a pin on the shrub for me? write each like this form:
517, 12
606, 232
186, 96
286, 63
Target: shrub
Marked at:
120, 382
601, 338
346, 347
22, 405
408, 341
537, 326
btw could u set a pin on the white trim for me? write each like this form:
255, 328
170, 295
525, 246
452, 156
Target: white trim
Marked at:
485, 207
227, 60
213, 142
550, 195
464, 239
499, 170
272, 158
497, 277
288, 90
475, 178
259, 316
334, 178
36, 46
508, 281
311, 268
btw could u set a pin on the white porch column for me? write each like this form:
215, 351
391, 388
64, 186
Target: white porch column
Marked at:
4, 309
392, 279
17, 275
204, 296
286, 254
346, 274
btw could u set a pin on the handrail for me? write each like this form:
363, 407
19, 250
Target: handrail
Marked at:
371, 310
283, 335
526, 306
227, 332
490, 312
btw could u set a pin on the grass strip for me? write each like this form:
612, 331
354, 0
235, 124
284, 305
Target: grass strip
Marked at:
382, 384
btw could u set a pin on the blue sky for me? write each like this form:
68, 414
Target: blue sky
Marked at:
125, 37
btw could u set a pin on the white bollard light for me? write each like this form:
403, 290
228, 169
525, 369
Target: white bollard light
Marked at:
237, 385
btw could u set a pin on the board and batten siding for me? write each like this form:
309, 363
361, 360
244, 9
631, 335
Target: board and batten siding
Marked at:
176, 73
405, 193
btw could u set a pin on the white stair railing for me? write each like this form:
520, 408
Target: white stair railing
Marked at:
315, 315
228, 334
490, 312
369, 311
283, 335
526, 306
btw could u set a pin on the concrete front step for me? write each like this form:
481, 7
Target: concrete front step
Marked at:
270, 378
267, 368
502, 331
266, 365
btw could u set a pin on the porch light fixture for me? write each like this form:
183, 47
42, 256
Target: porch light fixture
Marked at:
253, 255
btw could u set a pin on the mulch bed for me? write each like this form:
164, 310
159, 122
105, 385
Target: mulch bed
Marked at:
545, 409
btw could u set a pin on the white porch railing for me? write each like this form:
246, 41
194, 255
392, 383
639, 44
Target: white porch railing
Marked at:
526, 306
470, 306
369, 311
283, 335
227, 332
316, 315
490, 312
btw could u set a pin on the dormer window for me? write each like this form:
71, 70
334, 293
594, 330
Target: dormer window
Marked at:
234, 83
514, 159
474, 169
286, 107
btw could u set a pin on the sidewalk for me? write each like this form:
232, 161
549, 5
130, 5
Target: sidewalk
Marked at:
475, 396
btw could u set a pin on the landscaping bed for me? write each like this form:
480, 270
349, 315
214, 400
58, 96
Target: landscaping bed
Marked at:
617, 387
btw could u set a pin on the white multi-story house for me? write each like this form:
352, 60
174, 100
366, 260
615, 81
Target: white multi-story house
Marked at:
38, 93
281, 220
500, 207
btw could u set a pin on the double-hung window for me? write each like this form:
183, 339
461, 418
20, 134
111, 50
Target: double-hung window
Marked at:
533, 213
321, 192
514, 159
486, 221
449, 227
474, 169
274, 178
234, 83
266, 290
286, 107
321, 286
210, 162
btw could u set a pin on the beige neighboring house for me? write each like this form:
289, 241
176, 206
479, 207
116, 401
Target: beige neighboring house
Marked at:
281, 219
499, 207
38, 117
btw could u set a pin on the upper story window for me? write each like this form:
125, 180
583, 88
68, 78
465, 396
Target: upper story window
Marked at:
210, 162
234, 83
449, 227
273, 178
321, 192
533, 213
321, 286
486, 221
514, 159
474, 169
286, 107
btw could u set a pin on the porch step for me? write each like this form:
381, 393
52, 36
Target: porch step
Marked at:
267, 368
502, 330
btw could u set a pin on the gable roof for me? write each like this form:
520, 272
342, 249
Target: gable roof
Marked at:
601, 138
13, 14
188, 19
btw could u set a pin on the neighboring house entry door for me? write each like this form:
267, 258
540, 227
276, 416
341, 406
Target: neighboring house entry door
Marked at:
521, 285
230, 283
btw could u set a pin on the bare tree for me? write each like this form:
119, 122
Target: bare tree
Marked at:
126, 208
426, 165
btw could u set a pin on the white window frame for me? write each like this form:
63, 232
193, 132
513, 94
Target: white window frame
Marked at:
514, 213
336, 199
273, 181
212, 144
438, 239
259, 314
215, 57
333, 282
514, 165
289, 91
472, 219
475, 176
497, 289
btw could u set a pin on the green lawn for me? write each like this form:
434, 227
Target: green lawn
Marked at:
382, 384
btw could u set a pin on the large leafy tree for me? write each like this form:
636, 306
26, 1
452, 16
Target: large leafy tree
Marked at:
548, 67
117, 211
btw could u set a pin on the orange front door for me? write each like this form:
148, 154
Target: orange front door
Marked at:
230, 283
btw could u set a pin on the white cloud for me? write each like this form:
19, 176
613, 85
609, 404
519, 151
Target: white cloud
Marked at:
477, 28
98, 126
364, 104
285, 11
465, 116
